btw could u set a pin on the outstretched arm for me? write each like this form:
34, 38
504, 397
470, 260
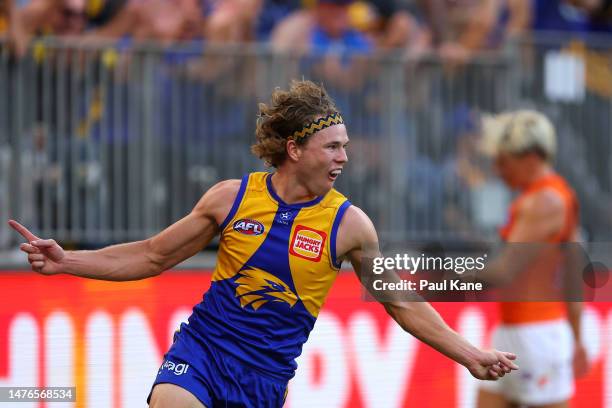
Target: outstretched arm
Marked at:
141, 259
358, 241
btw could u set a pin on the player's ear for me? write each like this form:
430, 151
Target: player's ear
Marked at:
293, 150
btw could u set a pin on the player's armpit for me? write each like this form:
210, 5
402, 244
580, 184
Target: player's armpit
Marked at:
192, 233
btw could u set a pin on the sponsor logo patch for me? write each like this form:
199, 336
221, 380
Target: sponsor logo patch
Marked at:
307, 243
176, 369
248, 226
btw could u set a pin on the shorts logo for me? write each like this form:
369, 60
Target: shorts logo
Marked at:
248, 226
307, 243
177, 369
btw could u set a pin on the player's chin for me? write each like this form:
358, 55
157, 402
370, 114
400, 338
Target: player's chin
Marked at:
323, 188
330, 182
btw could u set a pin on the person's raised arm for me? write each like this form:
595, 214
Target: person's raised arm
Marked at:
357, 240
140, 259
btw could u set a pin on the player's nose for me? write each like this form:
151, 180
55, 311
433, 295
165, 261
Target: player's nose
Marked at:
342, 157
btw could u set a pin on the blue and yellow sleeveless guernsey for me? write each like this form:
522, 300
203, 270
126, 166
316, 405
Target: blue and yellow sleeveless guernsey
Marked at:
276, 263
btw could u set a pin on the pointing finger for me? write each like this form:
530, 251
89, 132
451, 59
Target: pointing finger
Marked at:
22, 230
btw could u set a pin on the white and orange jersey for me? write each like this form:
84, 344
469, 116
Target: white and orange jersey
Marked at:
547, 264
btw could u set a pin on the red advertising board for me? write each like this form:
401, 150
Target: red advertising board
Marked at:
108, 338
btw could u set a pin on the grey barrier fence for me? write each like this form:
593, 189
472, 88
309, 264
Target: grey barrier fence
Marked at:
570, 79
102, 144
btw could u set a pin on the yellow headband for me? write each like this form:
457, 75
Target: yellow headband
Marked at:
319, 124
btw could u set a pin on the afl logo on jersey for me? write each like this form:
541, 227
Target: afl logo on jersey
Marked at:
248, 226
307, 243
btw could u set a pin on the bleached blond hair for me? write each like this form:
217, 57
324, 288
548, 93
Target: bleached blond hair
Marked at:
519, 132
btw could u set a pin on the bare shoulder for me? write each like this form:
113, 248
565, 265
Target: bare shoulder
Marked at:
356, 220
217, 202
541, 216
355, 230
546, 202
225, 188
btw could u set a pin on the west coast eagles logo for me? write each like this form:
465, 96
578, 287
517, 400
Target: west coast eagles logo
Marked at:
256, 287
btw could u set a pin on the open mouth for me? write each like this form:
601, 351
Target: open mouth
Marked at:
333, 175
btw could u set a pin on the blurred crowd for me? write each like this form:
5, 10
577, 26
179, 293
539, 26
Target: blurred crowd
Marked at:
453, 29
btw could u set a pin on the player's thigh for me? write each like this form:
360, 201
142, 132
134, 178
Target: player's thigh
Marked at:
489, 399
172, 396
